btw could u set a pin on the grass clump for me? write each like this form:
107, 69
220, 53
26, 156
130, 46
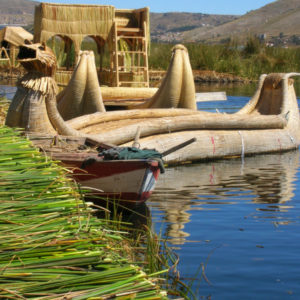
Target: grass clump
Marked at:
51, 246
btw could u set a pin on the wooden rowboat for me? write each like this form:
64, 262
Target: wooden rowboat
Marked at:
124, 182
128, 182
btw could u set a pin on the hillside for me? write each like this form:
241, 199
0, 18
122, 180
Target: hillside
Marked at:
277, 23
16, 11
170, 27
277, 20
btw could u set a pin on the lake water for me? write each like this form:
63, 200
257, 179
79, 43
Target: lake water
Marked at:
238, 220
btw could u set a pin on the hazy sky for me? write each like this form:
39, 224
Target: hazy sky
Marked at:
235, 7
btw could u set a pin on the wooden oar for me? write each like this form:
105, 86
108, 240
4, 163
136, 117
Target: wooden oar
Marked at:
180, 146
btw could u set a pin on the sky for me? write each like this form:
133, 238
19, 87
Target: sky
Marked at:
226, 7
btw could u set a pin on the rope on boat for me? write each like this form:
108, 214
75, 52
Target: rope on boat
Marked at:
292, 139
243, 146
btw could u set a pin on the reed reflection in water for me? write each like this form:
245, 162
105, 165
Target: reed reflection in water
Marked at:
265, 179
242, 217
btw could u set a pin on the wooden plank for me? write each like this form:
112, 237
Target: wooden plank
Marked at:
128, 29
130, 37
146, 53
211, 96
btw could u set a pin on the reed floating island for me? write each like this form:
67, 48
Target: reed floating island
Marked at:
268, 123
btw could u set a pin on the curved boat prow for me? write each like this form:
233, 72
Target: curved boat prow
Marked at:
82, 95
276, 95
177, 89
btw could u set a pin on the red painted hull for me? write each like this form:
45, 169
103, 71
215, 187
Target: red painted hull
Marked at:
126, 181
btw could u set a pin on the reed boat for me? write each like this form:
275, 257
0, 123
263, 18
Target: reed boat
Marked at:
123, 182
268, 123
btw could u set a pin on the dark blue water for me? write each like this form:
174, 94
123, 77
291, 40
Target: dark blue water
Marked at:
235, 224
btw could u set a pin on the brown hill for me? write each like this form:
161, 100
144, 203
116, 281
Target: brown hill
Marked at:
17, 11
173, 25
279, 18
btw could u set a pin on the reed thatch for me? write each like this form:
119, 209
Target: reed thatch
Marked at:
73, 21
105, 25
15, 35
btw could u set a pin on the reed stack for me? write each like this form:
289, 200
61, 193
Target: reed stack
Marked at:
52, 247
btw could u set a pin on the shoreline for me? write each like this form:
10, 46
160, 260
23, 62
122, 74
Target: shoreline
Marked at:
156, 76
203, 76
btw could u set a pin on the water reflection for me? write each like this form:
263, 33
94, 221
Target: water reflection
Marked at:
7, 88
264, 179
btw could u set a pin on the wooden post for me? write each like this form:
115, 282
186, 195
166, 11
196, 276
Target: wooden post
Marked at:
146, 72
116, 54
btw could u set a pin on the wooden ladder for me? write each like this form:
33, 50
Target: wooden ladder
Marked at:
135, 51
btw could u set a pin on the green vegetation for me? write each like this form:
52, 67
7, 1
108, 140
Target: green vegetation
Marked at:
64, 51
52, 247
249, 60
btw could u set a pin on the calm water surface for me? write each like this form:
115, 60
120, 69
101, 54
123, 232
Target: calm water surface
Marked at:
240, 219
237, 219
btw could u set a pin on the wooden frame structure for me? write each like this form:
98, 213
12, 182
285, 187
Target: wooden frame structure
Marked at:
4, 56
125, 32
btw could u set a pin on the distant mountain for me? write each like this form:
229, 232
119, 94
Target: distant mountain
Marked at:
17, 11
173, 26
277, 22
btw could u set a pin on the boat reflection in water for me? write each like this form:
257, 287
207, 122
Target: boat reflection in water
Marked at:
263, 179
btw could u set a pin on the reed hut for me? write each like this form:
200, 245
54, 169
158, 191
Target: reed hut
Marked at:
121, 34
11, 38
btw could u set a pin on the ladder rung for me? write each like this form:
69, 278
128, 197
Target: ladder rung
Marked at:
129, 37
129, 29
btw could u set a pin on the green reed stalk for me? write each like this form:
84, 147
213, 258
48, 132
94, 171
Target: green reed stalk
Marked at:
51, 247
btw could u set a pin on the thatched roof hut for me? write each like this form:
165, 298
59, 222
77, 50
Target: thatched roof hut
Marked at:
72, 21
11, 37
124, 34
